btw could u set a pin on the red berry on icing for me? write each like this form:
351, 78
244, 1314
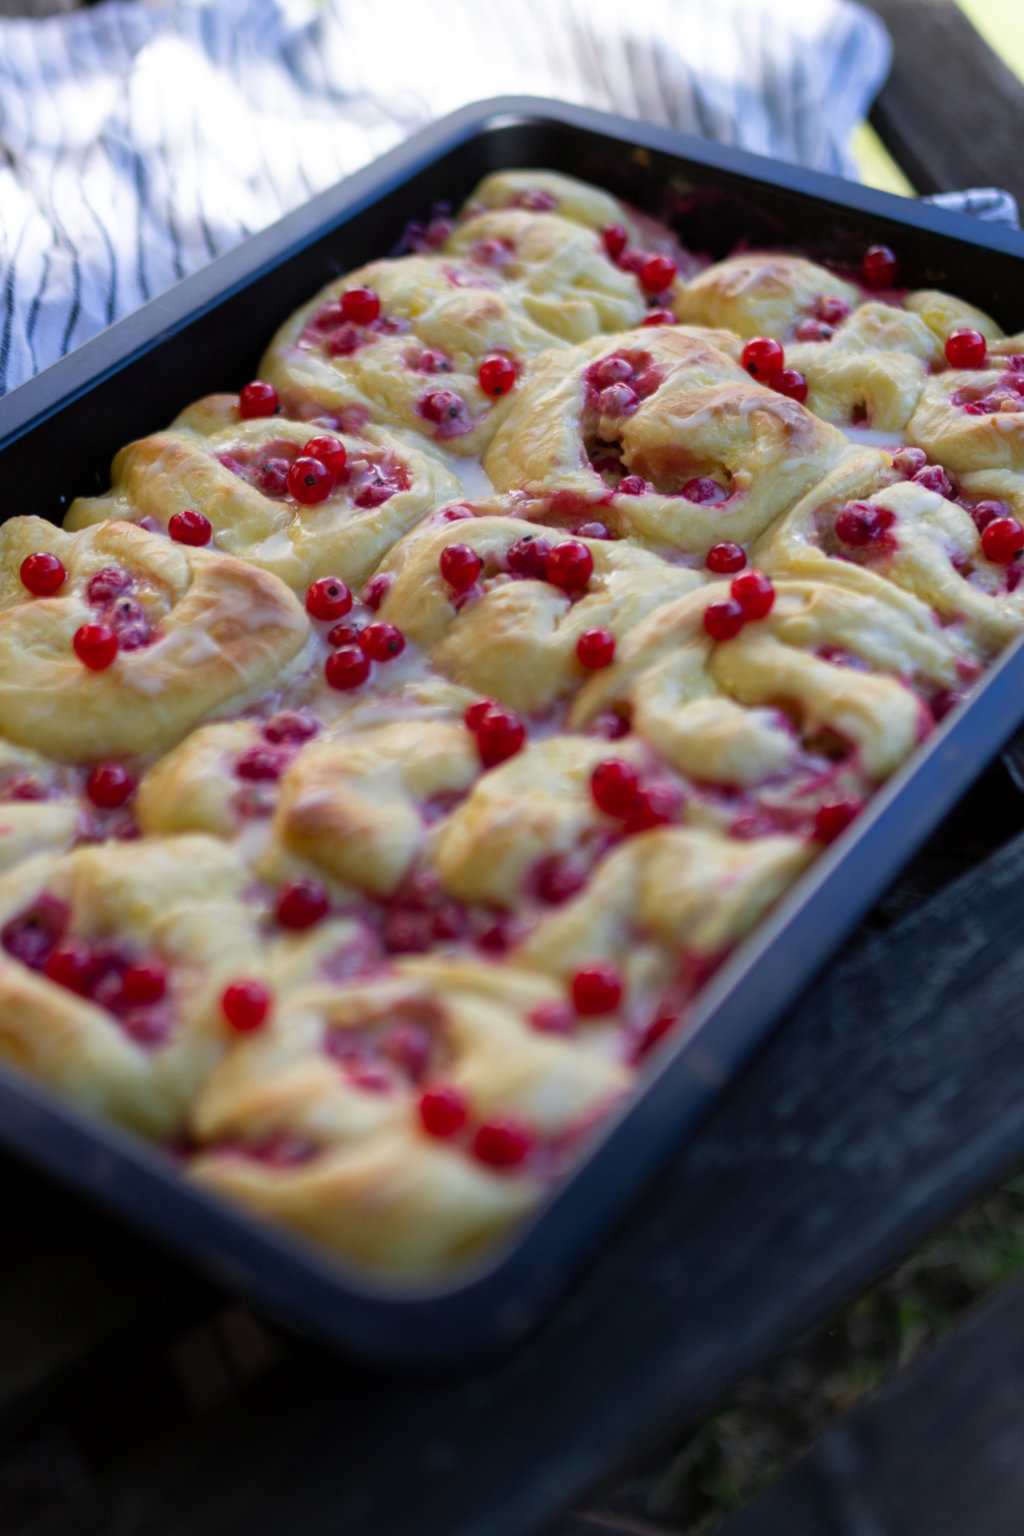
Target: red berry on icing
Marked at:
705, 491
656, 806
615, 787
310, 481
724, 619
529, 557
257, 399
569, 566
496, 375
1003, 540
659, 317
442, 405
71, 966
552, 1018
301, 904
862, 523
965, 349
381, 642
443, 1111
475, 713
347, 668
499, 735
190, 527
831, 311
909, 461
754, 592
879, 267
618, 400
934, 478
615, 369
595, 648
460, 566
290, 725
633, 485
343, 634
328, 598
360, 305
95, 646
109, 786
503, 1143
656, 273
42, 574
143, 983
985, 512
763, 357
108, 583
597, 988
725, 558
330, 451
246, 1005
830, 820
791, 384
615, 240
260, 765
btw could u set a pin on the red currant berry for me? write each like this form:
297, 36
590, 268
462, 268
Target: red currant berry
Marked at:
190, 527
830, 820
656, 273
529, 557
725, 558
259, 765
95, 646
595, 648
71, 966
310, 481
724, 619
443, 1111
659, 317
763, 357
290, 725
245, 1005
1003, 540
985, 512
597, 988
347, 668
143, 983
496, 375
359, 305
618, 400
443, 405
109, 786
42, 574
633, 485
552, 1018
500, 734
301, 904
569, 566
343, 634
879, 267
615, 240
615, 787
791, 384
328, 598
257, 399
965, 349
460, 566
381, 642
656, 806
475, 713
754, 592
503, 1143
330, 451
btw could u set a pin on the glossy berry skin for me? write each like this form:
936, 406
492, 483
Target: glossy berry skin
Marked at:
725, 558
109, 786
310, 481
724, 620
359, 306
1002, 540
632, 485
143, 983
500, 734
966, 349
615, 239
879, 268
596, 989
496, 375
381, 642
190, 527
301, 905
656, 273
754, 592
343, 634
328, 599
615, 787
502, 1143
95, 646
529, 557
656, 806
42, 574
791, 384
595, 648
245, 1005
347, 668
569, 566
330, 451
763, 357
862, 523
475, 713
442, 405
257, 399
659, 317
831, 820
460, 566
443, 1111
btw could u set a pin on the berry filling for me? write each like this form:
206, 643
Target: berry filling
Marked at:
119, 614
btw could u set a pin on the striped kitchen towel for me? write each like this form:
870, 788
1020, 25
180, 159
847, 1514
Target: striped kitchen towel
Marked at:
138, 141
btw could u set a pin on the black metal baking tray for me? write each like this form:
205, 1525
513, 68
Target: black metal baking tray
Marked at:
58, 434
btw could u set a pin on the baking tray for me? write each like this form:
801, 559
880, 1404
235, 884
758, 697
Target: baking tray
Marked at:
58, 434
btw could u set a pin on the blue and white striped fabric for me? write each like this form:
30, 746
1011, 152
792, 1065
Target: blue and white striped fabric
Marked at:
138, 141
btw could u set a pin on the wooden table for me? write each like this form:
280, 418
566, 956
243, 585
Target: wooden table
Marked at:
136, 1400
